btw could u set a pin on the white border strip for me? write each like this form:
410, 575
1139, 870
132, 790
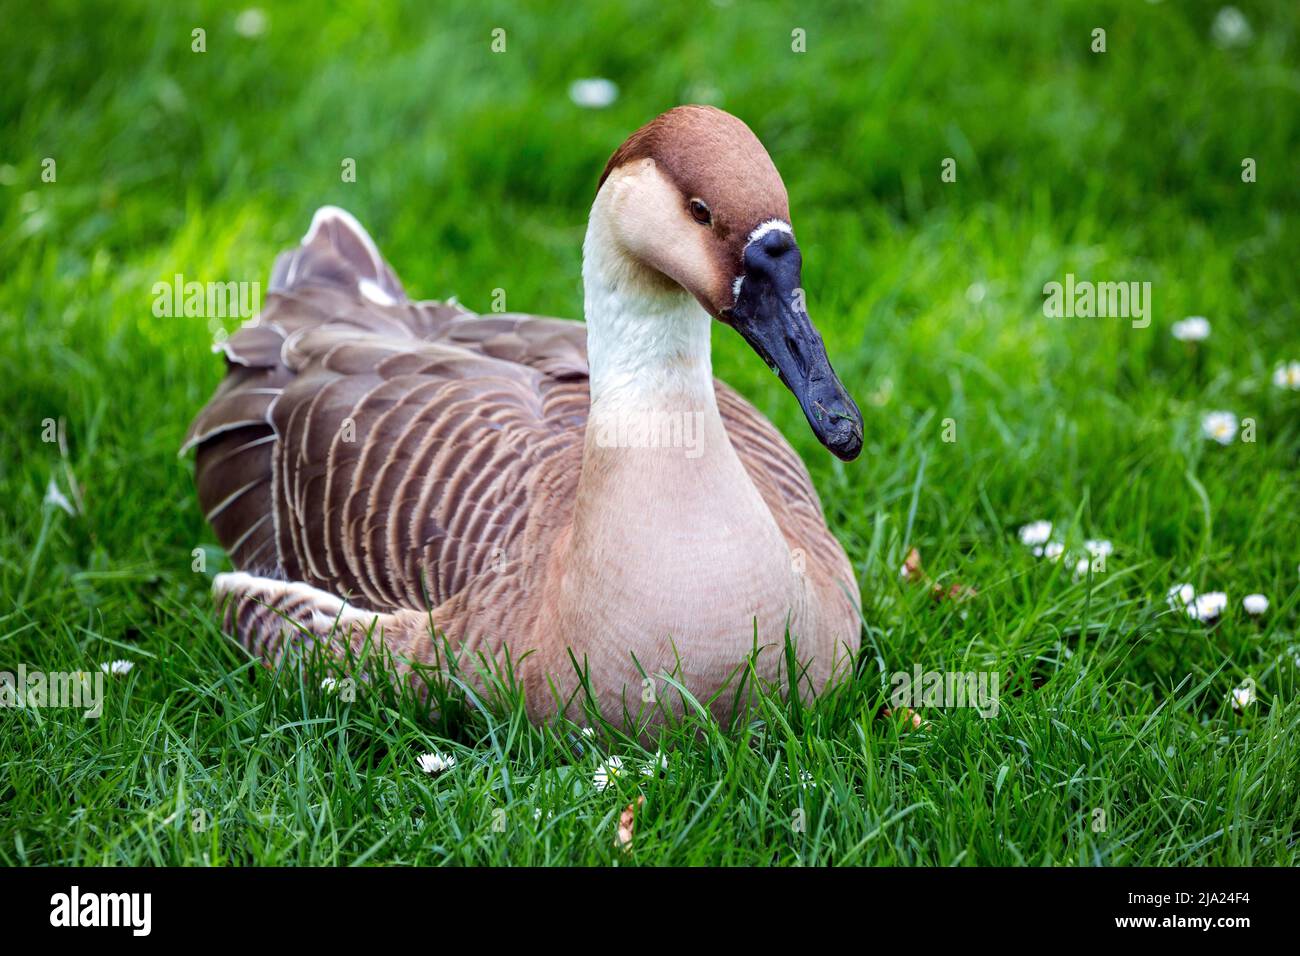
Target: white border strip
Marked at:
761, 230
772, 225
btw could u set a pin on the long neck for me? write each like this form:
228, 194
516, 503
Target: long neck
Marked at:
647, 339
654, 412
666, 518
659, 473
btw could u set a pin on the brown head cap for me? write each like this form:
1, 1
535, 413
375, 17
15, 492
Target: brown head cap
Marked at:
713, 158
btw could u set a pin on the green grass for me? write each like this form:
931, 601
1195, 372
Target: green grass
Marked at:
475, 172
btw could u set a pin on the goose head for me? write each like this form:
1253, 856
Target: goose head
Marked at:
693, 202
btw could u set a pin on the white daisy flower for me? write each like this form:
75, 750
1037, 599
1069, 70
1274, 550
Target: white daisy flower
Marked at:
806, 779
1180, 597
1099, 547
1052, 551
1287, 375
436, 762
1081, 567
1231, 28
593, 93
1036, 533
1219, 426
1194, 328
1255, 604
607, 772
1208, 606
657, 764
117, 668
1243, 696
250, 23
588, 732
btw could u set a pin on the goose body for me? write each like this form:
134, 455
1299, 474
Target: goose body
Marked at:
507, 484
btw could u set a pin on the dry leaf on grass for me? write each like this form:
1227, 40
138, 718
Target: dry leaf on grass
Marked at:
627, 825
957, 593
912, 572
912, 566
907, 714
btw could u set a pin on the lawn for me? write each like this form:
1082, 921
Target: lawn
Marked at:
1116, 740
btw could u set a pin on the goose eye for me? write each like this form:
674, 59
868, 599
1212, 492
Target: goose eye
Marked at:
701, 212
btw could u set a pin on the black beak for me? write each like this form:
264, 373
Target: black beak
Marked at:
770, 314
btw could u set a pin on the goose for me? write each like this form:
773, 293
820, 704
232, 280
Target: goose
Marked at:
582, 503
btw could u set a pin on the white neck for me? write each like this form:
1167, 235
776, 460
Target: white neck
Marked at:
647, 337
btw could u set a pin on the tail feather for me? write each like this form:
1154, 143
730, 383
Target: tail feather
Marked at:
338, 251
